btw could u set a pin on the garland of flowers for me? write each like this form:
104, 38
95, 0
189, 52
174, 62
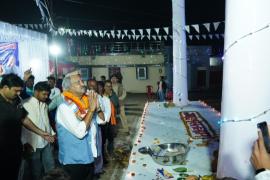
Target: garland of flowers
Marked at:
82, 104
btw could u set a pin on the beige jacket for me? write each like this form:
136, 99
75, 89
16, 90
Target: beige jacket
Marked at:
120, 91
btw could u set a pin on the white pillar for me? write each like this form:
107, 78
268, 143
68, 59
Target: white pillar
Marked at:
246, 84
180, 94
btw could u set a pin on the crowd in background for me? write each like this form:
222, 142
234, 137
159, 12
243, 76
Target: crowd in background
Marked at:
67, 130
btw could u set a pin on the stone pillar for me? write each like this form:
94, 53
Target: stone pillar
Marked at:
246, 84
180, 93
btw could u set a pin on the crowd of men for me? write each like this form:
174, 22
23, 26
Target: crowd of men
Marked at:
79, 121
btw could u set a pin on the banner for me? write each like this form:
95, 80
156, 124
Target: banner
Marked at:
139, 34
187, 29
157, 30
9, 62
216, 24
196, 27
207, 26
166, 29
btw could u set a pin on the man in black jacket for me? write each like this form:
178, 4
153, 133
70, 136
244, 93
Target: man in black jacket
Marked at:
12, 117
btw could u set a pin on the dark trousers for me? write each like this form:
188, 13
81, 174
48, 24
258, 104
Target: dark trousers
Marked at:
10, 167
108, 132
10, 158
80, 171
104, 137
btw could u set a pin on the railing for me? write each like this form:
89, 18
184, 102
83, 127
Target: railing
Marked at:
109, 48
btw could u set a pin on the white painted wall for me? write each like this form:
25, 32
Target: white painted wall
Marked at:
120, 60
130, 82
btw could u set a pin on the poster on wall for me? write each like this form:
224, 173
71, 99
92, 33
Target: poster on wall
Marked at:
9, 62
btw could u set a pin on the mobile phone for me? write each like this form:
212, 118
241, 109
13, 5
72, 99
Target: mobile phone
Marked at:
264, 129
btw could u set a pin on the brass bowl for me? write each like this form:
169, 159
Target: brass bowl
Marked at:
167, 154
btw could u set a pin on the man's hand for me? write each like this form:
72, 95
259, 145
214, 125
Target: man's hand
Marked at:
27, 74
28, 148
260, 158
48, 137
2, 70
92, 97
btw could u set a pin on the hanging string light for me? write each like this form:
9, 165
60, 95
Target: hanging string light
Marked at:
246, 119
244, 37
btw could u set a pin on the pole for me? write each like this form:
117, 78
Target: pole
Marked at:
180, 94
246, 85
56, 68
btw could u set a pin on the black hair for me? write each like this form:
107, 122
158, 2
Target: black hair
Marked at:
31, 77
51, 78
11, 80
114, 75
100, 83
103, 77
42, 86
92, 80
118, 76
107, 81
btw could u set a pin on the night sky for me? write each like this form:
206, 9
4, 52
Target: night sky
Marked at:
104, 14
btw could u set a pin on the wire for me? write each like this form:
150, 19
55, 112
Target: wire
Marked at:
245, 36
247, 119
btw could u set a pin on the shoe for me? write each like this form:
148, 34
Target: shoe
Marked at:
105, 161
97, 176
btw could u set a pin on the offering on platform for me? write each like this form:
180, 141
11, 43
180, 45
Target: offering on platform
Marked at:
169, 104
167, 154
197, 127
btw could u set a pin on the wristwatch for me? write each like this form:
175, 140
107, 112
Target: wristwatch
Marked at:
259, 170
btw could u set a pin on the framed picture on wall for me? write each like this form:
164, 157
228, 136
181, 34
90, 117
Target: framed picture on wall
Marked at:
84, 73
141, 73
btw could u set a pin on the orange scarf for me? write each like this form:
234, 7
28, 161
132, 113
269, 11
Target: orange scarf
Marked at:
82, 104
113, 118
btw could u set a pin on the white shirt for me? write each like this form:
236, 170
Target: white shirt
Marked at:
67, 118
93, 129
38, 114
265, 175
106, 108
54, 92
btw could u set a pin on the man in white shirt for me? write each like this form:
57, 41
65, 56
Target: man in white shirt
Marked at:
40, 151
53, 98
73, 120
54, 90
107, 116
96, 129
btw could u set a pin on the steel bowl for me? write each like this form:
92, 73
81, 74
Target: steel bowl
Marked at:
167, 154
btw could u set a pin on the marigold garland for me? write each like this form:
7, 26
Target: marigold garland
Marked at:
82, 104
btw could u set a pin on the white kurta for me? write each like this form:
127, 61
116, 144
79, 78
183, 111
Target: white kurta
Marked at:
38, 114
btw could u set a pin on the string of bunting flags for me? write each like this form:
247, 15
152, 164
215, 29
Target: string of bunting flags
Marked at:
194, 32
